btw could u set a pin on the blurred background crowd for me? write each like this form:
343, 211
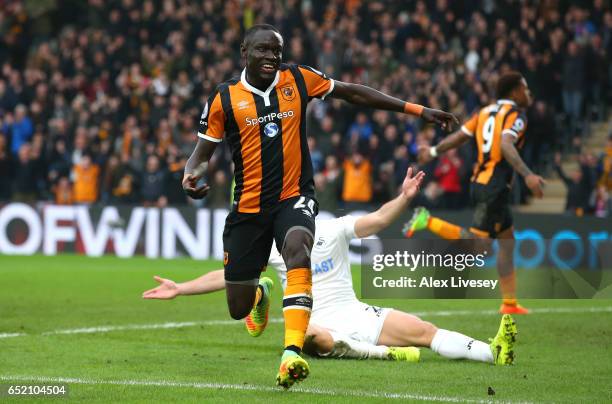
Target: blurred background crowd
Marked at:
99, 100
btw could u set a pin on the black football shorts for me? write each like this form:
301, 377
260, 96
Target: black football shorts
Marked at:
247, 237
492, 213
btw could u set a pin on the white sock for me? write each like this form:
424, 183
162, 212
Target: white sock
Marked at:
454, 345
349, 348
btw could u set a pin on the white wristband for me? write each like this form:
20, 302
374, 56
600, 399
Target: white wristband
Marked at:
433, 152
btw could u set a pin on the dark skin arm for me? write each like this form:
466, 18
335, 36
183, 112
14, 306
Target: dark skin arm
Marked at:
450, 142
368, 97
512, 156
196, 167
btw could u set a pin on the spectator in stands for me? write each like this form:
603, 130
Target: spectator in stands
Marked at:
573, 85
8, 99
605, 166
332, 180
579, 186
326, 195
337, 146
328, 60
540, 138
384, 188
219, 195
125, 184
85, 176
6, 170
602, 203
597, 60
174, 190
79, 148
19, 128
357, 182
448, 176
360, 130
24, 176
59, 163
401, 162
63, 192
324, 133
108, 178
153, 183
315, 155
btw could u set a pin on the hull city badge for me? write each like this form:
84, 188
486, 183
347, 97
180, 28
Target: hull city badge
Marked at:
288, 93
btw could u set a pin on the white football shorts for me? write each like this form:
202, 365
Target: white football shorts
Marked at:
358, 321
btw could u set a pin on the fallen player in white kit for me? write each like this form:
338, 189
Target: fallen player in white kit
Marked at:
341, 326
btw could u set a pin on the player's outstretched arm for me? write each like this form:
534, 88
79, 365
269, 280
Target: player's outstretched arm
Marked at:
168, 289
428, 153
196, 167
534, 182
363, 95
376, 221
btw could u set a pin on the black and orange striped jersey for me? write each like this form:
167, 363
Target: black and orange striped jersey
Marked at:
266, 132
487, 127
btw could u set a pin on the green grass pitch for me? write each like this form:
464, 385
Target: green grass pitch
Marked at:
562, 354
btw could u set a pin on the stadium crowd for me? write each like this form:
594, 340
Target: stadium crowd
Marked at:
99, 100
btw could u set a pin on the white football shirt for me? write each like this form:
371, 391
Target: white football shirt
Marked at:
332, 284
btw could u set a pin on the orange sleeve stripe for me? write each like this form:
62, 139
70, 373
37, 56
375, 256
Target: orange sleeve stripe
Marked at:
510, 120
478, 132
216, 119
509, 126
316, 85
469, 127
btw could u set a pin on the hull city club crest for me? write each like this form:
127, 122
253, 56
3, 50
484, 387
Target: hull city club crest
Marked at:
288, 93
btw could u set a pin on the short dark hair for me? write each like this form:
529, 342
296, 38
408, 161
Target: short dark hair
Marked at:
507, 83
256, 28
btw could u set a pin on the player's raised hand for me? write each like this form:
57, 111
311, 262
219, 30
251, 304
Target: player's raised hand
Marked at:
190, 187
411, 184
445, 120
535, 183
167, 289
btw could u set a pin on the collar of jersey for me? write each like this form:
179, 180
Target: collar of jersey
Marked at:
264, 94
506, 102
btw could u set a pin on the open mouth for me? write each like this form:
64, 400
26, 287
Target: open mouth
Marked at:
268, 68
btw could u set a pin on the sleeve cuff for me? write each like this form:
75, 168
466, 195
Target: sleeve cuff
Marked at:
349, 226
331, 88
206, 137
510, 132
467, 131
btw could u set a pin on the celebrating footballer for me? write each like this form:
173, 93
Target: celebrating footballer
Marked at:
261, 114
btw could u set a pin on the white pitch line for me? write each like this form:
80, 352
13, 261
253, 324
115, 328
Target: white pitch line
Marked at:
442, 313
12, 334
242, 387
101, 329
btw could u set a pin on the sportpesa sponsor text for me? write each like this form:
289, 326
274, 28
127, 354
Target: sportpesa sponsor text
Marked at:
269, 118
